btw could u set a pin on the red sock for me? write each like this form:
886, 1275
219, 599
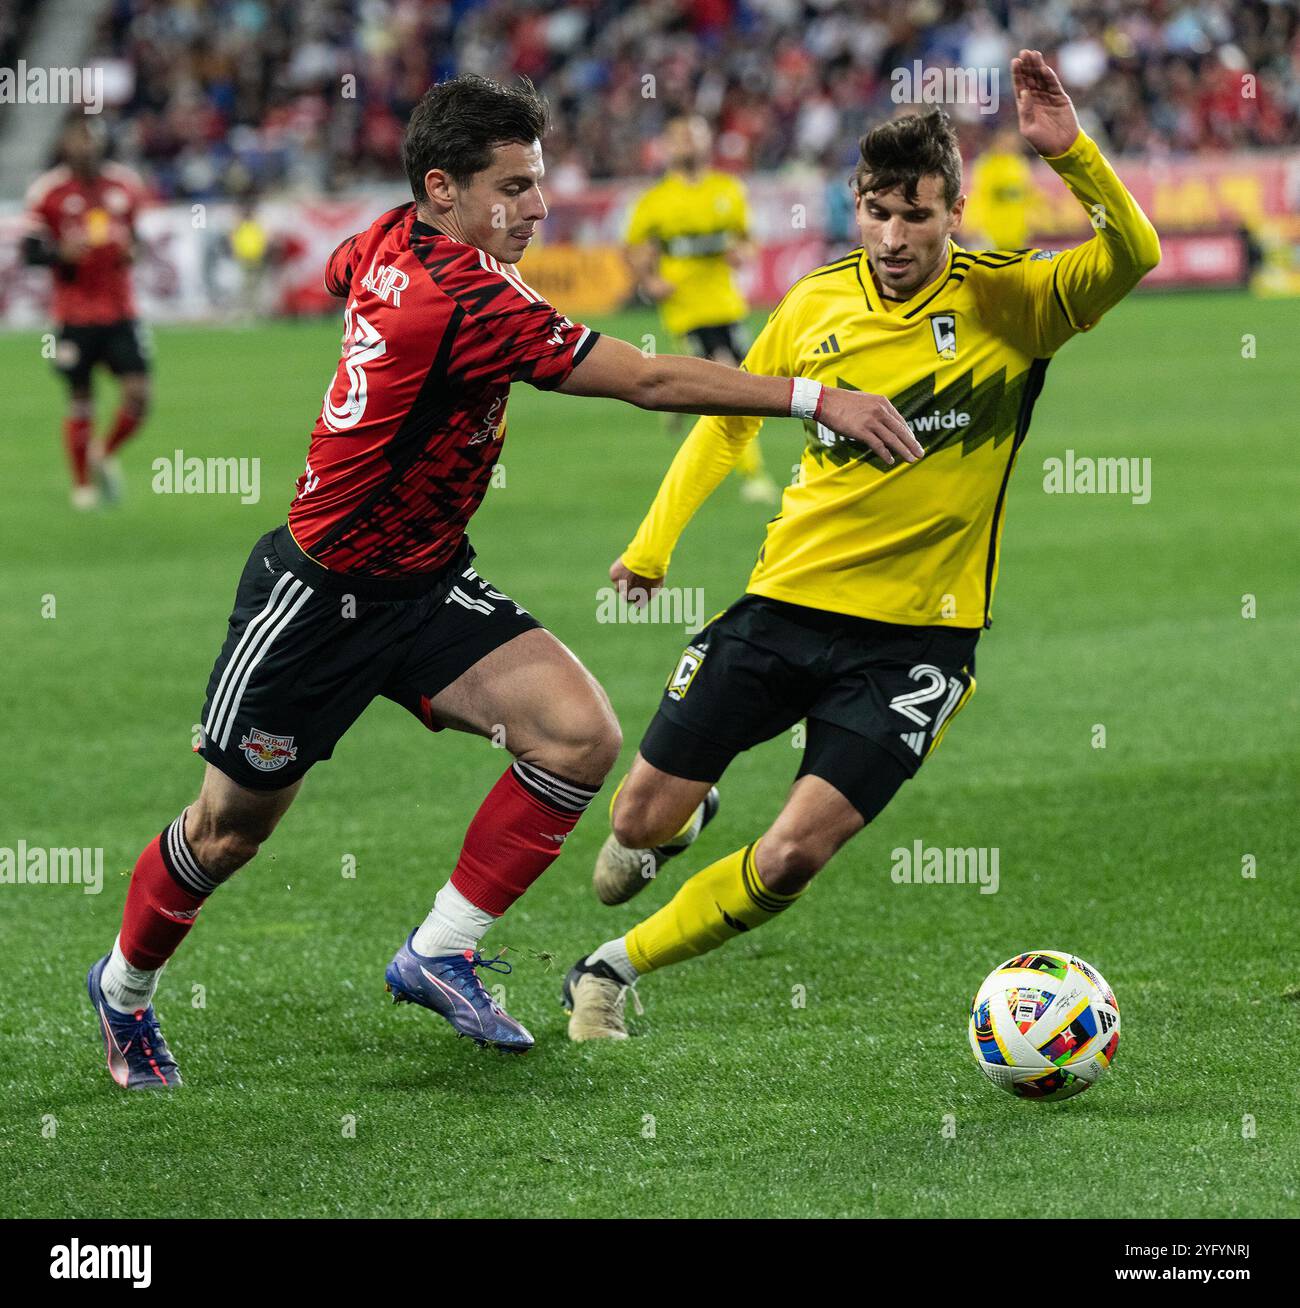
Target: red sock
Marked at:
123, 425
517, 834
167, 890
76, 438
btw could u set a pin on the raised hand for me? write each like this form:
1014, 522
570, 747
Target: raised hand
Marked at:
1047, 118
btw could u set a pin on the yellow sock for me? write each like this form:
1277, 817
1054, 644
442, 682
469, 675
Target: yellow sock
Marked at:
711, 908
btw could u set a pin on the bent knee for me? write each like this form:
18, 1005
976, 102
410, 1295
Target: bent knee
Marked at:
788, 861
136, 399
586, 747
633, 825
640, 820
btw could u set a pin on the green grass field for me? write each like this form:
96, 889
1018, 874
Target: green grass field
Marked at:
731, 1101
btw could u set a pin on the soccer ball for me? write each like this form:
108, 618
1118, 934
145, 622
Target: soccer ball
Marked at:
1044, 1025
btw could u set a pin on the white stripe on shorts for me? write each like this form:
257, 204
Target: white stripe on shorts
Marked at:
458, 596
251, 663
233, 664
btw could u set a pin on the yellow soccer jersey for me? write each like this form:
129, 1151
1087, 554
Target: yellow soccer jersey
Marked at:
1001, 197
692, 223
963, 361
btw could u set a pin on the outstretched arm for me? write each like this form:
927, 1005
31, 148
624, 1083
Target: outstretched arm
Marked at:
1093, 277
701, 464
676, 383
737, 401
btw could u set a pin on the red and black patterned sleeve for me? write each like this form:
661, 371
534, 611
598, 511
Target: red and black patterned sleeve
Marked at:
510, 333
339, 267
39, 234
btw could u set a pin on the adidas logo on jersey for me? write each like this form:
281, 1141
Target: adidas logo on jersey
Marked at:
914, 740
829, 346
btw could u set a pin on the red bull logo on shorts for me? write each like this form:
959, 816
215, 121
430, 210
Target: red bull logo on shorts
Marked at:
267, 753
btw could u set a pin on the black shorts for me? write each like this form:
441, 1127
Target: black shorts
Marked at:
121, 346
722, 343
308, 649
764, 665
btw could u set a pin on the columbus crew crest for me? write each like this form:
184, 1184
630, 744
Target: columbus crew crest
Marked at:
689, 664
944, 327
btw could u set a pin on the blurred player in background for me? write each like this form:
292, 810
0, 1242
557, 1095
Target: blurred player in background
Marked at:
80, 223
1000, 204
686, 236
876, 579
251, 248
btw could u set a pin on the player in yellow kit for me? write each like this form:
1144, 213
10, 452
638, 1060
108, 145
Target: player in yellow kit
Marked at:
1000, 206
876, 578
686, 236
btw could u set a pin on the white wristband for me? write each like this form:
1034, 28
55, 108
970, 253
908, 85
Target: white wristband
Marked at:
805, 397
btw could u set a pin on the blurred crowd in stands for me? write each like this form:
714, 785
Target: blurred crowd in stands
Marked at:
232, 97
15, 18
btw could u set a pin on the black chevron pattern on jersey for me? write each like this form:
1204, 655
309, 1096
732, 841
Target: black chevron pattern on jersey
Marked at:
993, 406
381, 522
392, 492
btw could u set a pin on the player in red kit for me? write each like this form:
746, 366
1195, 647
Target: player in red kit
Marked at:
80, 222
370, 589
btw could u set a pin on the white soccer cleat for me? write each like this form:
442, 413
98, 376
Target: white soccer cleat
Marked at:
594, 996
620, 873
84, 497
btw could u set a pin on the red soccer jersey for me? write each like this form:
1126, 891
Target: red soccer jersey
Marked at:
97, 288
412, 424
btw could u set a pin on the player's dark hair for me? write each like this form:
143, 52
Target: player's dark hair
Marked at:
459, 122
901, 152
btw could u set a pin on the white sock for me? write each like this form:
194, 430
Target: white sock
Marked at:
453, 925
127, 989
614, 952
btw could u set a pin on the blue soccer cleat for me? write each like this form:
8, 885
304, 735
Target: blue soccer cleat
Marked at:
138, 1057
449, 985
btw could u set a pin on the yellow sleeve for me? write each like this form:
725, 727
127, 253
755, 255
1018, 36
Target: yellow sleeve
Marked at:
740, 211
641, 223
1068, 292
706, 456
